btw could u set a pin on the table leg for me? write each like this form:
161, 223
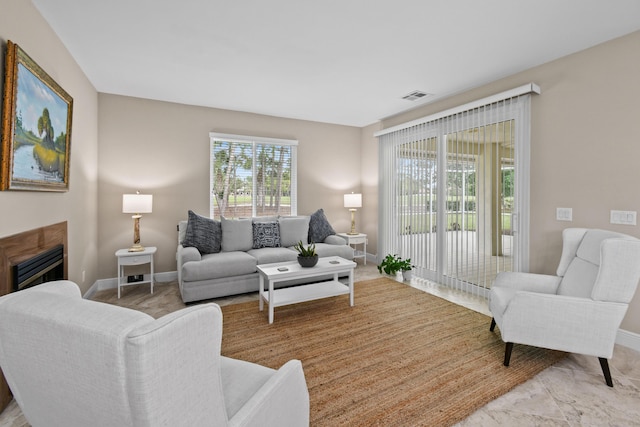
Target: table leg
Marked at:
119, 277
351, 299
271, 301
261, 291
151, 273
364, 251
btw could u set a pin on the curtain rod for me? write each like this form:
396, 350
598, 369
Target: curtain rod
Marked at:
521, 90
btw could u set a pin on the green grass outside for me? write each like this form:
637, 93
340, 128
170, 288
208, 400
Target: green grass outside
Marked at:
421, 223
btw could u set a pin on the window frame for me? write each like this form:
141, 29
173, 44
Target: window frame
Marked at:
254, 141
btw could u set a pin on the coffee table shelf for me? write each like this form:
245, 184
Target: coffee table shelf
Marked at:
304, 293
284, 271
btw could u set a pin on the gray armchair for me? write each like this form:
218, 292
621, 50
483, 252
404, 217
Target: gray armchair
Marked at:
73, 362
580, 309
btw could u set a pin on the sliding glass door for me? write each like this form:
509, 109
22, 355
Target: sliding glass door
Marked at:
454, 195
478, 204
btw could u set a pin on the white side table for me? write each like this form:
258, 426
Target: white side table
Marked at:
126, 258
357, 239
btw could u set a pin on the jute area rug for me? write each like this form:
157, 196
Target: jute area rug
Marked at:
399, 357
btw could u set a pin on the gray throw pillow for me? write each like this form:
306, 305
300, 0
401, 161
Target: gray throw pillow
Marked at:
266, 235
204, 234
237, 235
319, 227
293, 229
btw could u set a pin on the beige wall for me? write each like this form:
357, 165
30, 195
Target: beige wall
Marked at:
163, 149
21, 23
584, 144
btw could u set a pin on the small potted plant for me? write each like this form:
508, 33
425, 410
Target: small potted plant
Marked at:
406, 267
391, 264
307, 256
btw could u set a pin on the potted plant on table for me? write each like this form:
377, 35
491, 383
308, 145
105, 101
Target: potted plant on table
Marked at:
307, 256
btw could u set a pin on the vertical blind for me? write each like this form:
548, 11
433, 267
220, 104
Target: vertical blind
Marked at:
454, 191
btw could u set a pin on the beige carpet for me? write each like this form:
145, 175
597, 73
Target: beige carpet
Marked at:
399, 357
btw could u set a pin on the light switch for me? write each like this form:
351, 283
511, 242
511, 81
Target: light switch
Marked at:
623, 217
564, 214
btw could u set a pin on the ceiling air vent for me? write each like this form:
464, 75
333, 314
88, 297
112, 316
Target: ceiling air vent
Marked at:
416, 94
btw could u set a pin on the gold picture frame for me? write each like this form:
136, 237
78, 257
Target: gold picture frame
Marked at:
36, 127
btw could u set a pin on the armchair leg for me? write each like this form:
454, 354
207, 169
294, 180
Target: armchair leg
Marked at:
507, 353
604, 364
493, 324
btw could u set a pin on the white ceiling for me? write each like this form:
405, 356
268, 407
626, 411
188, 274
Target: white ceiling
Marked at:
337, 61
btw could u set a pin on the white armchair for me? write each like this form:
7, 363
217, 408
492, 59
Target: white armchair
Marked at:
580, 309
75, 362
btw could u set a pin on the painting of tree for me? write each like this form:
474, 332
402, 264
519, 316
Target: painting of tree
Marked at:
35, 108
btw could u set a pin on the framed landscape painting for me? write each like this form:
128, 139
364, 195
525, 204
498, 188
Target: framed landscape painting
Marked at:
36, 127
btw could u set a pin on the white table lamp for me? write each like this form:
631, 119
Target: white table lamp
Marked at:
137, 204
353, 201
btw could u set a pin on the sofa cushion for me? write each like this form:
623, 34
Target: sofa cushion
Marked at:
271, 255
293, 229
204, 234
223, 264
319, 227
266, 235
237, 235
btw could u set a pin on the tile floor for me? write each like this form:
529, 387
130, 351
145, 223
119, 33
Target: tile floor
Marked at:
570, 393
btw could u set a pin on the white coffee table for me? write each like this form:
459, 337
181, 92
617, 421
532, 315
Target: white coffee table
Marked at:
282, 271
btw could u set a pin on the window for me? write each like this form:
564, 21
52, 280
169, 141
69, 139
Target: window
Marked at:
252, 176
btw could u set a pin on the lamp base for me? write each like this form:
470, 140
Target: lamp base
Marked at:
136, 248
353, 223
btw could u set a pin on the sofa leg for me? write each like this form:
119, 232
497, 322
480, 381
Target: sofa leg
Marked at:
507, 353
604, 364
493, 324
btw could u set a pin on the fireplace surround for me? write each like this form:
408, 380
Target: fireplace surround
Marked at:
21, 247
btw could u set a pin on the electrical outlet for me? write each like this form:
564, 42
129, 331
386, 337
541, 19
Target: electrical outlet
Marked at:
83, 276
564, 214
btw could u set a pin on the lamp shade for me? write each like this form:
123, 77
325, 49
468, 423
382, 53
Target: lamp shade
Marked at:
353, 200
137, 203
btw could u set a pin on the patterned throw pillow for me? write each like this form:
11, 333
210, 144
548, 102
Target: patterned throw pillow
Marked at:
204, 234
266, 235
319, 227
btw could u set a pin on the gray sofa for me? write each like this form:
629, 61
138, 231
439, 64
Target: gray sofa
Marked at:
219, 258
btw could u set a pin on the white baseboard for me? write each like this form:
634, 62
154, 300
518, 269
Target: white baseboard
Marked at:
628, 339
112, 283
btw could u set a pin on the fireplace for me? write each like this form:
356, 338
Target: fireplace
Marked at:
48, 246
44, 267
